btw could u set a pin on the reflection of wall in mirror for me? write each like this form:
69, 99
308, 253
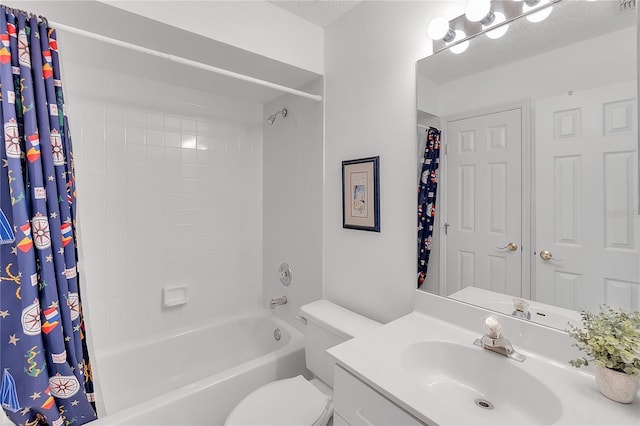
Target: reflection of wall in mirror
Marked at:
428, 95
597, 61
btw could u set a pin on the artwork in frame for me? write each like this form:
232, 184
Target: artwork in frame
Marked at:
361, 194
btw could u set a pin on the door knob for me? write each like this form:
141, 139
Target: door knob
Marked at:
510, 246
546, 255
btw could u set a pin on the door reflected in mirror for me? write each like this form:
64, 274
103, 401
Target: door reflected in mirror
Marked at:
537, 203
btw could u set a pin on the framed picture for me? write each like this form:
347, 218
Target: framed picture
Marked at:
361, 194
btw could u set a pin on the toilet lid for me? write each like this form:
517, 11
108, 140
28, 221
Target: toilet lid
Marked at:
292, 401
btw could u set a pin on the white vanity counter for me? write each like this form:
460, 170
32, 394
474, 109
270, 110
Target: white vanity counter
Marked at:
549, 315
544, 389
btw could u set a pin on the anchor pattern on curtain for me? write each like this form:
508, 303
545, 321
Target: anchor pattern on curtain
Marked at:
427, 189
46, 372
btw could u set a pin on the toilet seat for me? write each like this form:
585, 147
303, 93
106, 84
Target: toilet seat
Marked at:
292, 401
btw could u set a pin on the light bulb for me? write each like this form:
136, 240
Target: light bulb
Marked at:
538, 16
479, 10
500, 31
439, 30
461, 47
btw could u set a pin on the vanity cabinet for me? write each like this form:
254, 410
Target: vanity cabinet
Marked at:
356, 404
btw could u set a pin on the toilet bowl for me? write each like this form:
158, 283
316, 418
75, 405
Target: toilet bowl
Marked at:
294, 401
298, 401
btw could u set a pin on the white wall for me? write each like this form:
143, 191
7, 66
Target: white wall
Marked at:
256, 26
293, 169
169, 193
370, 56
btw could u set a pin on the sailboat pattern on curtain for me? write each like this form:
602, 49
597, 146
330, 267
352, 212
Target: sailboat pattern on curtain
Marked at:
46, 372
427, 190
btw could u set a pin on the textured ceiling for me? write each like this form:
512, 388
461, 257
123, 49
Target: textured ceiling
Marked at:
319, 12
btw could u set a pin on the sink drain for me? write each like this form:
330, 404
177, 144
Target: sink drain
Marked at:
483, 403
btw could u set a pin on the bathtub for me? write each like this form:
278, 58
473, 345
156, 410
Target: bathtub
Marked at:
196, 377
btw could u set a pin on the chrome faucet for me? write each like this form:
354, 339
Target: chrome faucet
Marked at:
277, 301
495, 342
521, 309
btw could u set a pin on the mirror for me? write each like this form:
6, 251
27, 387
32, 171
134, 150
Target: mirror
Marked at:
537, 199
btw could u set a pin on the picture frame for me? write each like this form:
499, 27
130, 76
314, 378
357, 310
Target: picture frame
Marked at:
361, 194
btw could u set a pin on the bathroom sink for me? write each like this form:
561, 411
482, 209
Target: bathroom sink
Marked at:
480, 386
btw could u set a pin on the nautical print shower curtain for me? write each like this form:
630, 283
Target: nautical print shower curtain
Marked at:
46, 373
427, 189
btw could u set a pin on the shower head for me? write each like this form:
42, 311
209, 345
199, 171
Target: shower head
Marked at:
272, 117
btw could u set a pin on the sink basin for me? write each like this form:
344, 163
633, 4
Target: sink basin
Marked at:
479, 386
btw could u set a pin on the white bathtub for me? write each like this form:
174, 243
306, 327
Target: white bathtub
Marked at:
196, 377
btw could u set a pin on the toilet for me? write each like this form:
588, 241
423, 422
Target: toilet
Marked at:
298, 401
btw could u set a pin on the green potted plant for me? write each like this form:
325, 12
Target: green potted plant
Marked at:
610, 338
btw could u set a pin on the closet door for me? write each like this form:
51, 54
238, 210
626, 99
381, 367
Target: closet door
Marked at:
483, 203
586, 199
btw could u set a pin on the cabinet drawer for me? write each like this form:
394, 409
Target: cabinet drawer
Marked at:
358, 404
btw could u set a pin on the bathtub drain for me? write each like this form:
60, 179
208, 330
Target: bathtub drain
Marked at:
483, 403
277, 334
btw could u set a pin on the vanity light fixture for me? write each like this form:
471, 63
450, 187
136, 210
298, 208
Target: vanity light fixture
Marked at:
439, 29
460, 47
480, 11
536, 4
501, 30
485, 16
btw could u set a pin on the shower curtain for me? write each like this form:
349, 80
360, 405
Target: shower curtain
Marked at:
46, 373
427, 189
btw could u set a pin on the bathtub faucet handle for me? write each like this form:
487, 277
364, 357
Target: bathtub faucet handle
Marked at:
302, 319
277, 301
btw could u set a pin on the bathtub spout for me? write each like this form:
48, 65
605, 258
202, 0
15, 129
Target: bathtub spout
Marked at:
277, 301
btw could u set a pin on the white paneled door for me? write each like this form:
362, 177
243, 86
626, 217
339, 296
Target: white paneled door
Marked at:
483, 202
586, 211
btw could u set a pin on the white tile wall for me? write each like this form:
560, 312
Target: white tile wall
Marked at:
169, 193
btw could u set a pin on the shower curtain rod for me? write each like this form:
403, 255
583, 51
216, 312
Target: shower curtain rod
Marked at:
185, 61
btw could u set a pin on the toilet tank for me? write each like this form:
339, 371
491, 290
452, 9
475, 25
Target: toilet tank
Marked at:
328, 325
